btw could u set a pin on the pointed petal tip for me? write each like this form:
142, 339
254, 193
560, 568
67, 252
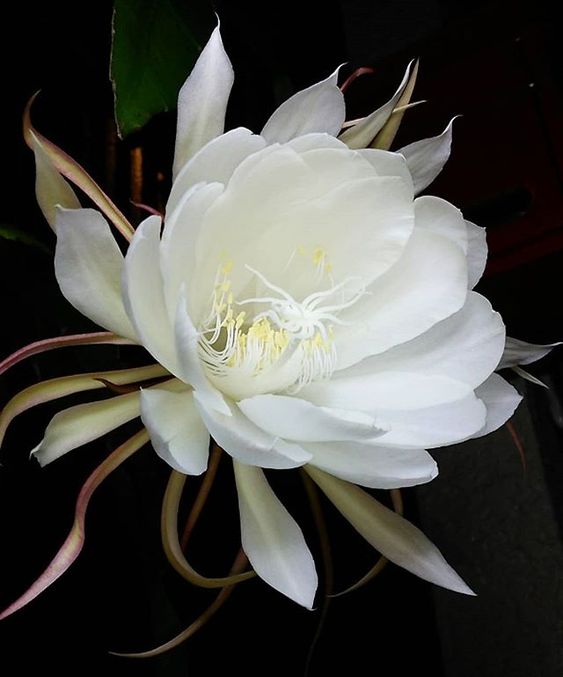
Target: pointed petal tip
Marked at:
307, 602
412, 66
36, 454
316, 109
463, 588
202, 101
305, 597
40, 455
336, 71
272, 539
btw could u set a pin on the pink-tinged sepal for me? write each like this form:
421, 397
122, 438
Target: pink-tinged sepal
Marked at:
44, 345
366, 130
74, 542
52, 189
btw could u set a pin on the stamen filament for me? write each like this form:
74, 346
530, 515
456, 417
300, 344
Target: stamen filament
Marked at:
287, 329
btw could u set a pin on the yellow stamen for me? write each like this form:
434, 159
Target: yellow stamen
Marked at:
227, 267
319, 256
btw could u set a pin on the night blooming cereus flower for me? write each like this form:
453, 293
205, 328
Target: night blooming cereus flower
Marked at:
304, 309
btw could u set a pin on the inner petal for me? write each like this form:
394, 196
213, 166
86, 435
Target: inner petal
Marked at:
288, 220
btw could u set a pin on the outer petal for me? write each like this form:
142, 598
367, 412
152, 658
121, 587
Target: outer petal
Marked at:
426, 158
529, 377
426, 285
374, 465
83, 423
55, 388
88, 266
476, 252
466, 346
501, 400
45, 345
177, 432
362, 134
319, 108
245, 442
74, 542
215, 162
521, 352
386, 135
392, 535
296, 419
143, 294
202, 102
51, 191
272, 539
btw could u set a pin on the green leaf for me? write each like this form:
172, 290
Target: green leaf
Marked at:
154, 47
16, 234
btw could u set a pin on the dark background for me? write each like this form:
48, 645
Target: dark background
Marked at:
497, 523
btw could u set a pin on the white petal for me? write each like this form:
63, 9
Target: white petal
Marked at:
373, 465
247, 443
73, 427
335, 164
427, 157
88, 266
237, 219
386, 391
501, 400
435, 426
521, 352
296, 419
315, 140
181, 231
394, 537
441, 217
418, 409
299, 210
319, 108
202, 101
177, 432
476, 252
465, 346
143, 294
386, 163
272, 539
215, 162
426, 285
362, 134
191, 367
363, 225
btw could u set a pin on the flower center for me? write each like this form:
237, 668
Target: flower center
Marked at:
289, 340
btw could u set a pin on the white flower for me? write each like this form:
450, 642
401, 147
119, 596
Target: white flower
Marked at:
311, 310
